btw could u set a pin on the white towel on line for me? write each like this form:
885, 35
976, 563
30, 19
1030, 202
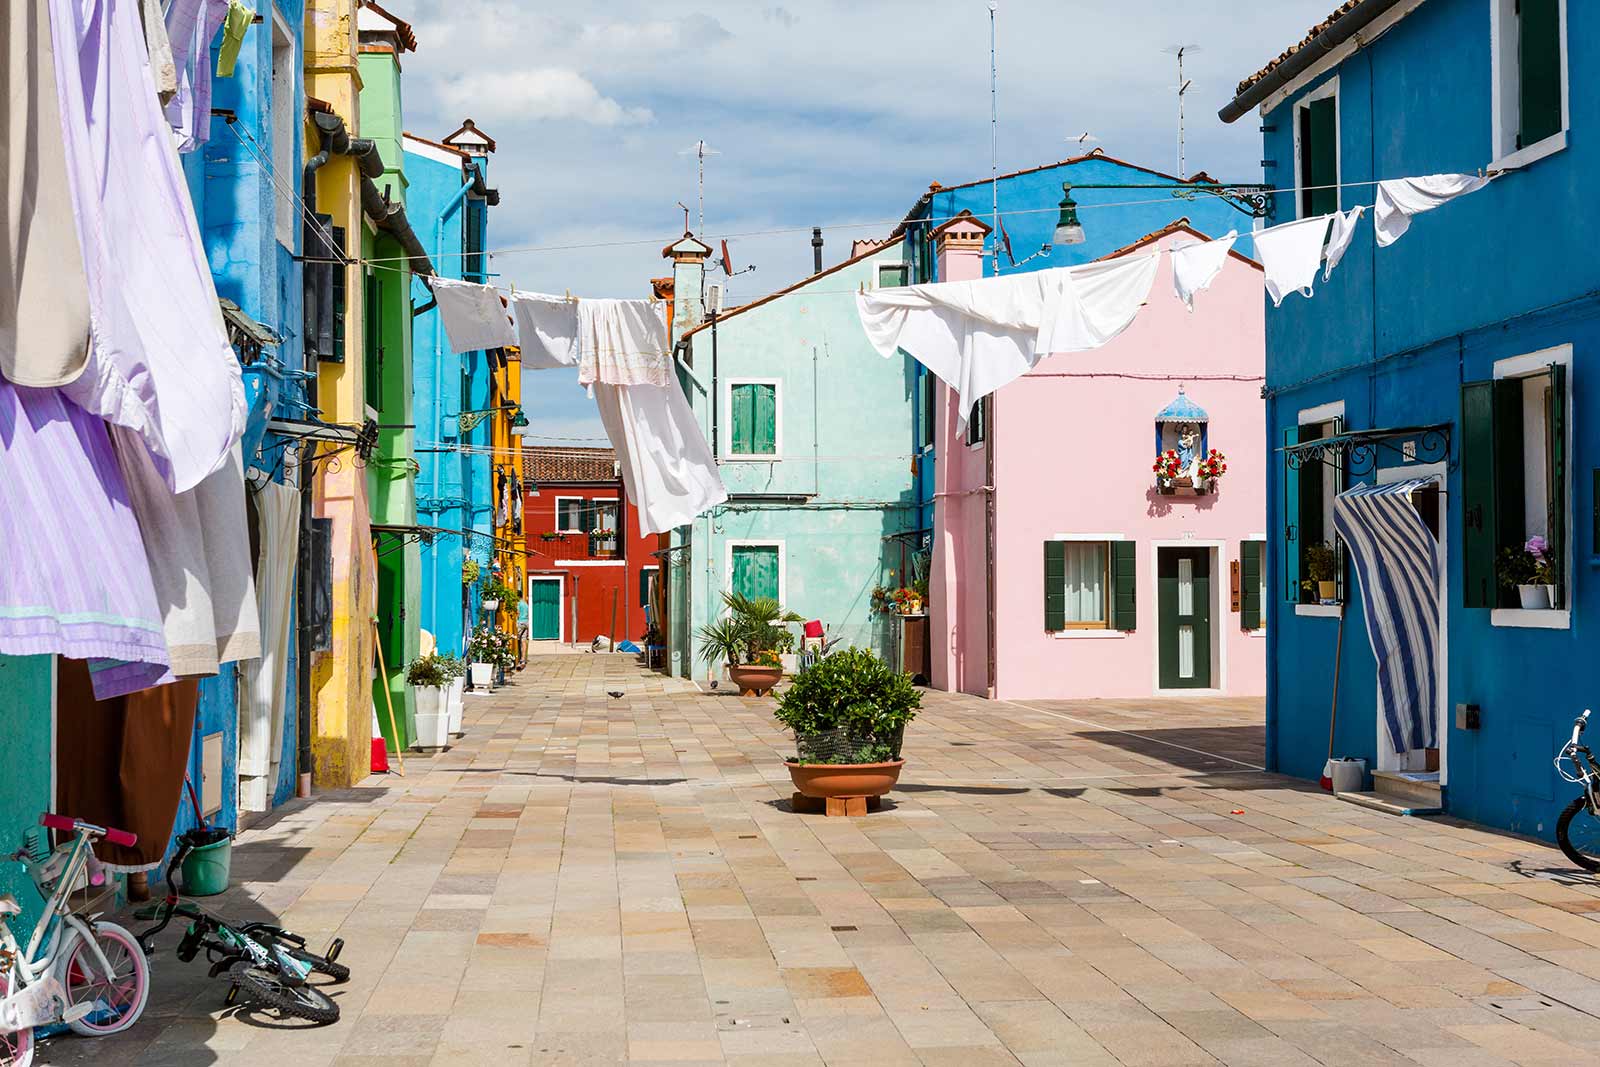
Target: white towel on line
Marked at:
1339, 237
1290, 255
547, 331
474, 318
1194, 266
1400, 198
623, 342
667, 467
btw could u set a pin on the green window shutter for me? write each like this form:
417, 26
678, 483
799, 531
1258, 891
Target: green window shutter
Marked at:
1555, 422
744, 418
1055, 586
1291, 521
1319, 157
1124, 586
766, 420
1250, 585
1477, 495
1539, 70
755, 570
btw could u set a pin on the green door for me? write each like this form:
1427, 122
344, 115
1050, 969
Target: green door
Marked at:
755, 570
1183, 607
544, 603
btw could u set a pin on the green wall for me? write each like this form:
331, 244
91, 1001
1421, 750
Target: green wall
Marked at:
25, 743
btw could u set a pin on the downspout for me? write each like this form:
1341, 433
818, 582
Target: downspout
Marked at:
716, 440
991, 594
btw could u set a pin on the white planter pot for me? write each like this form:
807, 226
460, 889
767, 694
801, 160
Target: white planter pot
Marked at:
453, 702
491, 606
433, 719
1534, 597
1550, 593
483, 676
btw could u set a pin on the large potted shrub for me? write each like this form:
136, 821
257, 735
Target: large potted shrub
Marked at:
455, 672
749, 641
427, 677
848, 712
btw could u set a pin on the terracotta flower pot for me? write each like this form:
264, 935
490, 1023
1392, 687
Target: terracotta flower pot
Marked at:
753, 679
843, 788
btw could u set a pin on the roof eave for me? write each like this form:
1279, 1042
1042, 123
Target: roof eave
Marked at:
1283, 72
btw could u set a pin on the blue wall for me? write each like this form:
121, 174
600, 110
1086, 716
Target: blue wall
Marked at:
1395, 332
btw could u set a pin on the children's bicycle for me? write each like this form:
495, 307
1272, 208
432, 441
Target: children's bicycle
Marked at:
268, 965
74, 969
1578, 828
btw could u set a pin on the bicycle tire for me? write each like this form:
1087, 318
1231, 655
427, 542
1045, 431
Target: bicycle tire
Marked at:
1564, 837
338, 972
120, 947
268, 989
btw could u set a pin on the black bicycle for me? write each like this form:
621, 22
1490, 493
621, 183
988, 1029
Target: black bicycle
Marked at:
268, 965
1578, 828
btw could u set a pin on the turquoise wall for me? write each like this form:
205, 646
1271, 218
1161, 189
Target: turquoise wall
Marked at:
25, 786
843, 480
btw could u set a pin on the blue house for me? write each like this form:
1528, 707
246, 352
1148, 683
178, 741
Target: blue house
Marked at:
1447, 359
449, 206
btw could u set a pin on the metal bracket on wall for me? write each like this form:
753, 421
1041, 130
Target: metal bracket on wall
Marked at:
1358, 451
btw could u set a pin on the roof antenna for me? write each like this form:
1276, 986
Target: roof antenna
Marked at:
1181, 50
685, 208
994, 143
700, 150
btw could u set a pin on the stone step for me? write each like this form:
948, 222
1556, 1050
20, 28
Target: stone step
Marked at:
1413, 790
1389, 804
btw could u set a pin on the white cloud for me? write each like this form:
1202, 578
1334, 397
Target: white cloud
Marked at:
540, 93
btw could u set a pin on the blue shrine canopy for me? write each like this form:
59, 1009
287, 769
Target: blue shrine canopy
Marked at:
1183, 410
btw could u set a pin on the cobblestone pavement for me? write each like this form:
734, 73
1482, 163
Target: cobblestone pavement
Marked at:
587, 879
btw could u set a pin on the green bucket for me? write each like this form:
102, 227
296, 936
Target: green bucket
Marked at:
206, 869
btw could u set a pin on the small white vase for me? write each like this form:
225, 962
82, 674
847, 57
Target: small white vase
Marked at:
491, 606
1534, 597
483, 676
453, 702
433, 718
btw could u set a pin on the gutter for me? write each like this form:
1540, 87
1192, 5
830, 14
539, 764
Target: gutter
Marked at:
388, 217
1298, 63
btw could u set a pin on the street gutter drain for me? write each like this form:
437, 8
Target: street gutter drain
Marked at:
842, 929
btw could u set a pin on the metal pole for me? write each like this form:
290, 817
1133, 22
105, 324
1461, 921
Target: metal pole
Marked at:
1181, 87
994, 144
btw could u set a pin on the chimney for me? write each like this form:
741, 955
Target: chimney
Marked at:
816, 249
688, 255
958, 246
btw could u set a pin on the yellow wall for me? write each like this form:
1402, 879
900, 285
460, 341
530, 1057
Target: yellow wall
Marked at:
509, 546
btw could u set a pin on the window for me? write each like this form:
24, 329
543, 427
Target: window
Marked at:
372, 339
1515, 482
892, 274
648, 576
1316, 140
925, 407
1252, 585
755, 569
576, 514
978, 423
1530, 75
1090, 585
1308, 513
285, 109
753, 418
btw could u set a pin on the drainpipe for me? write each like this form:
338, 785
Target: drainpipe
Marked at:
716, 439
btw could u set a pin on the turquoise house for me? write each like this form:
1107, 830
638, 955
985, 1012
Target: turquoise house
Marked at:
811, 428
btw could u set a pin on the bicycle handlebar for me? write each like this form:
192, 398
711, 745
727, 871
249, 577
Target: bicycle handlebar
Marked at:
67, 824
1578, 725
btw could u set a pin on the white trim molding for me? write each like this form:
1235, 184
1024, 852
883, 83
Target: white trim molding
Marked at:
1219, 611
1504, 95
1321, 92
561, 605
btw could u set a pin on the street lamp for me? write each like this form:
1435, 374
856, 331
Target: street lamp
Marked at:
1069, 231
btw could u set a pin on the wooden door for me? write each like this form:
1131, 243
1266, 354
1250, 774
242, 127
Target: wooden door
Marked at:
1183, 609
544, 603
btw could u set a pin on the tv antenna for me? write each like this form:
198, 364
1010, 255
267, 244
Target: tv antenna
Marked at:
700, 150
1181, 50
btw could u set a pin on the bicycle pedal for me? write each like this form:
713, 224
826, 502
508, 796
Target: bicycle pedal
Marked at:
76, 1012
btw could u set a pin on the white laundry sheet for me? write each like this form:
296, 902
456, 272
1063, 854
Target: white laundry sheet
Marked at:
474, 318
547, 331
1401, 198
978, 336
262, 682
1340, 234
667, 467
623, 342
1195, 266
1290, 255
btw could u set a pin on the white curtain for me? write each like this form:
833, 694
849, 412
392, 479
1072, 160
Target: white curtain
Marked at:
263, 681
1086, 581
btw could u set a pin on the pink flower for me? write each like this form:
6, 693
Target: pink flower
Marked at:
1537, 546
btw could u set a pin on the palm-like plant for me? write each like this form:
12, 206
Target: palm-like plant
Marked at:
752, 626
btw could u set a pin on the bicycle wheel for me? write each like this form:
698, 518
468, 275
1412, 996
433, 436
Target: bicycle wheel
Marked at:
16, 1046
118, 996
269, 989
1578, 834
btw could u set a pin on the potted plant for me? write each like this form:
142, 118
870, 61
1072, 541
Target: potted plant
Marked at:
848, 712
1530, 570
486, 649
1211, 470
550, 535
426, 675
455, 672
603, 544
496, 594
1322, 571
469, 572
1166, 468
749, 641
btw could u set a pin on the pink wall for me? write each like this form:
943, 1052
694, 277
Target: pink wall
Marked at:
1072, 457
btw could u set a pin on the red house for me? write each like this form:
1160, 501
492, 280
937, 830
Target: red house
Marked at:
590, 574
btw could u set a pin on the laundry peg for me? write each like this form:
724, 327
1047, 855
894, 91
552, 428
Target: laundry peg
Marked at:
569, 296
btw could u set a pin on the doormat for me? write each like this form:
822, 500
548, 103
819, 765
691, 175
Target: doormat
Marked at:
1419, 776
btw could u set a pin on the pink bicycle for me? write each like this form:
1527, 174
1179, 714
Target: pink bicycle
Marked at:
74, 969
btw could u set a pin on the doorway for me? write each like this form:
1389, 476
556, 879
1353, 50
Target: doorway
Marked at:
1432, 504
544, 607
1183, 618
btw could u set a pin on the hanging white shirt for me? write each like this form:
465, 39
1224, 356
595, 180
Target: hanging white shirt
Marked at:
1339, 237
473, 316
667, 466
1194, 266
1290, 255
1400, 198
623, 342
547, 330
978, 336
263, 682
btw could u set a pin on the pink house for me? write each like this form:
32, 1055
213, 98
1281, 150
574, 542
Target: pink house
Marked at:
1063, 567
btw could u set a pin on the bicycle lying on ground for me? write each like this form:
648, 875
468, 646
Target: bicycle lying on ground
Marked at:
1578, 828
80, 971
267, 964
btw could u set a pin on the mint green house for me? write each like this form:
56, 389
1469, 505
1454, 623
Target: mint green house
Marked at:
812, 431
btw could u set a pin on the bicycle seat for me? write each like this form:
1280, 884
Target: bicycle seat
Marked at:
9, 905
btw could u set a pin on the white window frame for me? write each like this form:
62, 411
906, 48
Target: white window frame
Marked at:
1218, 551
1094, 633
1321, 92
1266, 547
561, 604
1314, 417
285, 133
783, 568
1505, 114
777, 421
1546, 618
560, 529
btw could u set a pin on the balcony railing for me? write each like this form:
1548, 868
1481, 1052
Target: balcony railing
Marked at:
574, 546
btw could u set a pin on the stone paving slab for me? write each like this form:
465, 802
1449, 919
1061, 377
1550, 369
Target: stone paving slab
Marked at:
590, 880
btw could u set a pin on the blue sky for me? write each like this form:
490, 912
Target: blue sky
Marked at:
825, 113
